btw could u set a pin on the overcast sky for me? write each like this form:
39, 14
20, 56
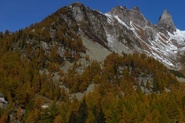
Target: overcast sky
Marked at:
17, 14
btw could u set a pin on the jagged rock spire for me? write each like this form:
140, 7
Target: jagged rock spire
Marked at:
166, 22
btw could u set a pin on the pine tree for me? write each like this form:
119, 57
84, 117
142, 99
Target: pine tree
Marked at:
82, 113
148, 84
139, 91
19, 113
58, 119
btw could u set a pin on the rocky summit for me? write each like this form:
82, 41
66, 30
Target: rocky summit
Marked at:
128, 31
166, 22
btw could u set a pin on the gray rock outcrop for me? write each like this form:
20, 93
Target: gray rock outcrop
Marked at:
126, 30
166, 22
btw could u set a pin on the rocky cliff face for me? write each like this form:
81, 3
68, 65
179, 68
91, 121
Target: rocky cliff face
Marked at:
121, 30
166, 22
90, 23
128, 31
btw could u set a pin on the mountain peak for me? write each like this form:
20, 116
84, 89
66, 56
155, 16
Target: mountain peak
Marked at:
166, 12
166, 22
118, 10
135, 8
76, 5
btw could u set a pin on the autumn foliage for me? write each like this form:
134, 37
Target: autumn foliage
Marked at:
128, 88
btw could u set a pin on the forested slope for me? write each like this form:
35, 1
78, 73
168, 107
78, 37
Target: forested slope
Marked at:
128, 87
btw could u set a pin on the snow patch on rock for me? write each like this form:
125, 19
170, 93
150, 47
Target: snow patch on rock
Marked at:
121, 22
